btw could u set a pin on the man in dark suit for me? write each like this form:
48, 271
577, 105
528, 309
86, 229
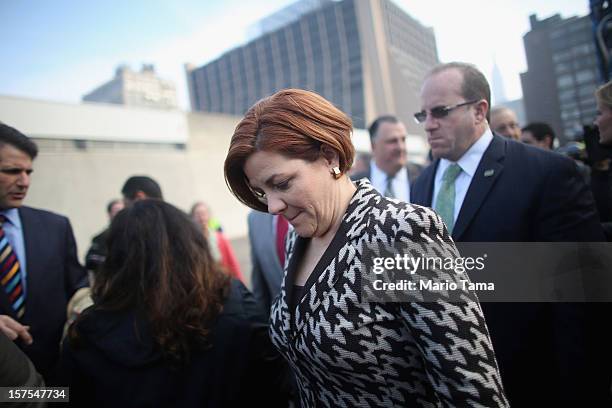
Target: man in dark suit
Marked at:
390, 171
39, 269
492, 189
267, 238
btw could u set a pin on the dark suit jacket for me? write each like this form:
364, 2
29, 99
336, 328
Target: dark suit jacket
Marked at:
523, 194
414, 170
53, 275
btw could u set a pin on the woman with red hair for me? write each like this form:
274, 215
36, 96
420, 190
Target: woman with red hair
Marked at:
290, 156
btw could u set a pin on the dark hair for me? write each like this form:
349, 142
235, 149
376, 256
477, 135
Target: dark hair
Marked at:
15, 138
378, 121
292, 122
141, 183
540, 130
474, 87
159, 264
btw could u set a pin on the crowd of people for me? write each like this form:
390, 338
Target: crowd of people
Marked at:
164, 317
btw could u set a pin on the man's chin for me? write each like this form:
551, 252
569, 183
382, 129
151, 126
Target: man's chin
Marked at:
439, 153
14, 204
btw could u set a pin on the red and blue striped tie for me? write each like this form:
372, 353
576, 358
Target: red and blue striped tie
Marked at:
10, 274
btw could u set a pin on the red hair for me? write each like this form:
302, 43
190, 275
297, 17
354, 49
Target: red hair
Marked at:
292, 122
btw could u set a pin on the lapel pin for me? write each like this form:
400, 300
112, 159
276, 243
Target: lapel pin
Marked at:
489, 173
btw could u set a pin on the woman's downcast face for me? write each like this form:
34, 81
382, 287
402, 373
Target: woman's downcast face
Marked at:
300, 191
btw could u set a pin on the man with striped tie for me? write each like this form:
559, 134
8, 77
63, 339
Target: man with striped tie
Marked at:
39, 269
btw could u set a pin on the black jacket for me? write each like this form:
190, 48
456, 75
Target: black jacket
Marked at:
115, 367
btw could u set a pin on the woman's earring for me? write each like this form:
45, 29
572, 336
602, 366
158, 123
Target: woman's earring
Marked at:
336, 172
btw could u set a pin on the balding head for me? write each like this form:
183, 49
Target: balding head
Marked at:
454, 108
505, 122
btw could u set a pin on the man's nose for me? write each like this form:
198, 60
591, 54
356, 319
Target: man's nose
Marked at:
431, 123
24, 179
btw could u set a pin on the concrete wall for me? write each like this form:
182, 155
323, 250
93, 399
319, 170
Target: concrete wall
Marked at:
79, 183
93, 121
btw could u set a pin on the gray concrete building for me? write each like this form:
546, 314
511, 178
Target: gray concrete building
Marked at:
367, 57
562, 74
136, 88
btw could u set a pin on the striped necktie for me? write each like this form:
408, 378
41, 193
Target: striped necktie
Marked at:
445, 201
10, 273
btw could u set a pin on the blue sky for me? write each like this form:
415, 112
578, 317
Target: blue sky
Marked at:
61, 49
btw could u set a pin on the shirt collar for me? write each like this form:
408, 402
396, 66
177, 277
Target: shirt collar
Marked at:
376, 174
12, 215
471, 158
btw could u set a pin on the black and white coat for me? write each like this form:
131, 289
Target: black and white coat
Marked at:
345, 352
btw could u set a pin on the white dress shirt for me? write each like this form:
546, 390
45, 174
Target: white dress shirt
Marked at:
400, 184
469, 163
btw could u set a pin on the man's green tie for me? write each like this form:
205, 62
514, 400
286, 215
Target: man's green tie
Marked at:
445, 201
389, 188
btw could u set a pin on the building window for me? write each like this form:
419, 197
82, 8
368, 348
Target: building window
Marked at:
565, 81
584, 76
584, 49
567, 95
556, 33
562, 67
587, 91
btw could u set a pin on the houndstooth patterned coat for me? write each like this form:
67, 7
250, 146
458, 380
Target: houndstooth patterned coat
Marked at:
346, 352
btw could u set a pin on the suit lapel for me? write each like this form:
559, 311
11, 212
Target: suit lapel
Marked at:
31, 234
321, 281
296, 250
425, 195
413, 173
488, 171
325, 275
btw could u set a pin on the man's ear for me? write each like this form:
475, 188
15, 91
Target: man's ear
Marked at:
330, 155
549, 140
481, 108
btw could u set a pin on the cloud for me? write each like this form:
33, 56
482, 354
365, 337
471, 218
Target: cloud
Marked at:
220, 34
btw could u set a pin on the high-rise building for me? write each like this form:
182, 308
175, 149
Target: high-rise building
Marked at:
134, 88
497, 86
367, 57
562, 74
284, 16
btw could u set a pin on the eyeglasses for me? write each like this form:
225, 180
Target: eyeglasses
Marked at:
439, 112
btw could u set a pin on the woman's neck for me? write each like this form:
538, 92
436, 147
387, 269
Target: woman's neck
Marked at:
344, 194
